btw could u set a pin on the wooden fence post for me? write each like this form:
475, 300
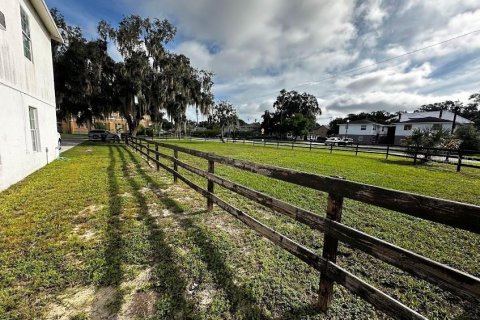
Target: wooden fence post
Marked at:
331, 148
157, 157
459, 163
293, 143
356, 149
330, 246
388, 148
416, 154
148, 150
310, 145
175, 165
210, 186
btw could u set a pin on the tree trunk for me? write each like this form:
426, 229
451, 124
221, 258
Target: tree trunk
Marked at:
221, 135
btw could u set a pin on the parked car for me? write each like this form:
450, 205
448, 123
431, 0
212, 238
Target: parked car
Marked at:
337, 141
103, 135
333, 141
348, 141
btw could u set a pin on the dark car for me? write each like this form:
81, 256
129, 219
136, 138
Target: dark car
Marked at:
102, 135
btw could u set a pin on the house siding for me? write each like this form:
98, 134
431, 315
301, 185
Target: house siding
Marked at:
370, 135
24, 84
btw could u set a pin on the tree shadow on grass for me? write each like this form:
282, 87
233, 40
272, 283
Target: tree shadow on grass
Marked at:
167, 279
471, 311
242, 303
169, 203
112, 275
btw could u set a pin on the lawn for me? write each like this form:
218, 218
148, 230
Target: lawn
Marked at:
100, 234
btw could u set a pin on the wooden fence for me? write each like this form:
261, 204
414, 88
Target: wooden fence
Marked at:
455, 214
459, 158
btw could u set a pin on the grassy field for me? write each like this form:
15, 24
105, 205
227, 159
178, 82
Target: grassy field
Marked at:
99, 234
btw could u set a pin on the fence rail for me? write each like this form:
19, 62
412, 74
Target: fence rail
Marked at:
451, 213
459, 158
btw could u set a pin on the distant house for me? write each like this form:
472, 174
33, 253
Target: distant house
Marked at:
363, 131
113, 123
251, 127
434, 120
318, 133
28, 134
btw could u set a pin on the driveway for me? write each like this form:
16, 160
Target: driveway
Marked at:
70, 143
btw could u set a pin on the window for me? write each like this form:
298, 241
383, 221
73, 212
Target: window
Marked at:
437, 126
27, 41
32, 112
374, 128
363, 127
383, 129
3, 26
407, 127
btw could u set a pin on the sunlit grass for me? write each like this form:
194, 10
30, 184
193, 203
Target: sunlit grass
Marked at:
100, 216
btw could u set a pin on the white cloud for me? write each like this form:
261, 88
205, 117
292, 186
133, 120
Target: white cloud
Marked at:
257, 47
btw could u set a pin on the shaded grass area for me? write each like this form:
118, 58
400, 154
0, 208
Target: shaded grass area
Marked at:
100, 217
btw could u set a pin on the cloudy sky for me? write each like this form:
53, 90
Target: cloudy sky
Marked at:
257, 47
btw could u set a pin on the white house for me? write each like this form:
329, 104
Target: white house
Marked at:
435, 120
28, 134
363, 131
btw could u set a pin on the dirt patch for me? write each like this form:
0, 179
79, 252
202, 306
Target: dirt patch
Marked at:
126, 195
166, 213
84, 233
154, 210
103, 303
90, 209
140, 305
205, 297
145, 190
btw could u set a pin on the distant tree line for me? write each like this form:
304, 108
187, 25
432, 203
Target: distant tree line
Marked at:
148, 80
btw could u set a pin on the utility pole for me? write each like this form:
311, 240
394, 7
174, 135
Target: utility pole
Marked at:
455, 111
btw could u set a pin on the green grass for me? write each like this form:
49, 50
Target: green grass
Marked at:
100, 217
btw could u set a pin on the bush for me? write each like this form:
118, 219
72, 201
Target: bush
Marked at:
100, 126
140, 130
421, 140
149, 132
469, 137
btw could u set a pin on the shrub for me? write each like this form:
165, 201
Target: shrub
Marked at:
100, 126
425, 139
469, 137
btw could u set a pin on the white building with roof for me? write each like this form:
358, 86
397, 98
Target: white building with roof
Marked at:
364, 131
435, 120
28, 134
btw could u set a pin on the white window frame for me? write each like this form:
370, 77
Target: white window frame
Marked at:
34, 130
407, 127
3, 23
363, 127
26, 35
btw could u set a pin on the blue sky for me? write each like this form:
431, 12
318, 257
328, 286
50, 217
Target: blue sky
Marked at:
257, 47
